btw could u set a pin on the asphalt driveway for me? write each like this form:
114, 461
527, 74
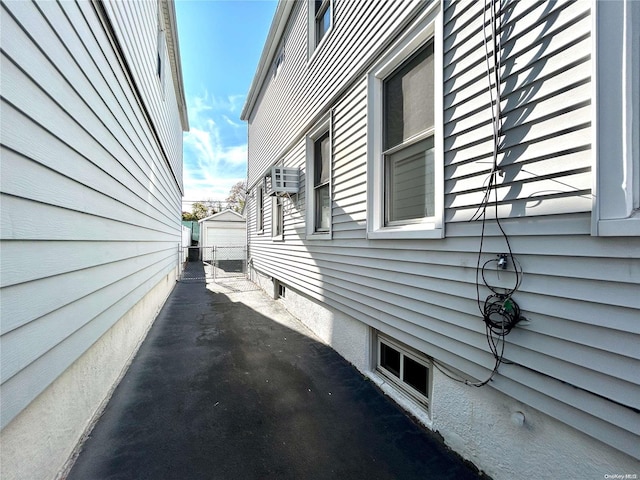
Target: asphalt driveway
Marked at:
230, 386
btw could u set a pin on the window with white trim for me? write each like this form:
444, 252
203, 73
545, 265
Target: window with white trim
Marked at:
320, 22
406, 368
277, 218
161, 50
616, 199
318, 181
405, 146
260, 208
278, 61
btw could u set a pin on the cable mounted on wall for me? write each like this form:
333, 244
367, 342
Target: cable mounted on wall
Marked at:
499, 310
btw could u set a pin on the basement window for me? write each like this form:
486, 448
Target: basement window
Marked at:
408, 369
279, 290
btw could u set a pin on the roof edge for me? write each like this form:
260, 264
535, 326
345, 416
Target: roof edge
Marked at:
169, 12
276, 30
226, 210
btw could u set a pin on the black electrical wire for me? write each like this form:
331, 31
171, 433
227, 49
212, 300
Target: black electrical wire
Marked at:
505, 291
499, 310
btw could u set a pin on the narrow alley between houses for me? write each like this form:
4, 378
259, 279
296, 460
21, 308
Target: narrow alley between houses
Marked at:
230, 386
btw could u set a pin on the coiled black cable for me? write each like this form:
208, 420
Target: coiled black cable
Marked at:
501, 313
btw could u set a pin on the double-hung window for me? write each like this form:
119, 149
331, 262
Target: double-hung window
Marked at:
321, 191
322, 10
408, 140
405, 136
318, 187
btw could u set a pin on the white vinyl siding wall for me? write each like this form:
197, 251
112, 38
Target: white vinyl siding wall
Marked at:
577, 360
135, 23
317, 81
90, 206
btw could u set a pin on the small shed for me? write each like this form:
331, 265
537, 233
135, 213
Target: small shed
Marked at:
223, 237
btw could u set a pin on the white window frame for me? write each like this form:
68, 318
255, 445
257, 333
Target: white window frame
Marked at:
260, 209
616, 188
408, 352
277, 218
161, 52
323, 126
278, 61
313, 43
428, 26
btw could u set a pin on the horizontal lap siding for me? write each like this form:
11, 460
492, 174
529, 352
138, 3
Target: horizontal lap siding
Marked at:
544, 152
304, 86
136, 25
577, 359
90, 208
545, 157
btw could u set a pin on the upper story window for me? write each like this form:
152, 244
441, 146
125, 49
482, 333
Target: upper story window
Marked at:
322, 18
405, 152
408, 140
320, 22
278, 61
161, 49
319, 166
616, 204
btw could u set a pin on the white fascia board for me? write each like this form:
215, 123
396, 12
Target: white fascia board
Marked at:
171, 25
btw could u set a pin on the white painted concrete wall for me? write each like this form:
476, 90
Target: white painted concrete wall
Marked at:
477, 423
347, 336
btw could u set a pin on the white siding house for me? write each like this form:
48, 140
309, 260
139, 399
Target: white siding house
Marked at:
434, 142
93, 113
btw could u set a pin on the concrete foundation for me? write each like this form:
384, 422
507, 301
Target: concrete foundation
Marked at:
501, 436
41, 440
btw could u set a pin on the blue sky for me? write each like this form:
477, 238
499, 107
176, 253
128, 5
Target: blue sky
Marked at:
220, 46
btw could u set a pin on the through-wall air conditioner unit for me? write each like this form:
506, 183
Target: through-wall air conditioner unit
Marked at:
284, 181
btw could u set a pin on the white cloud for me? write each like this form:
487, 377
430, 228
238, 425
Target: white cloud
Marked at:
231, 122
215, 149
